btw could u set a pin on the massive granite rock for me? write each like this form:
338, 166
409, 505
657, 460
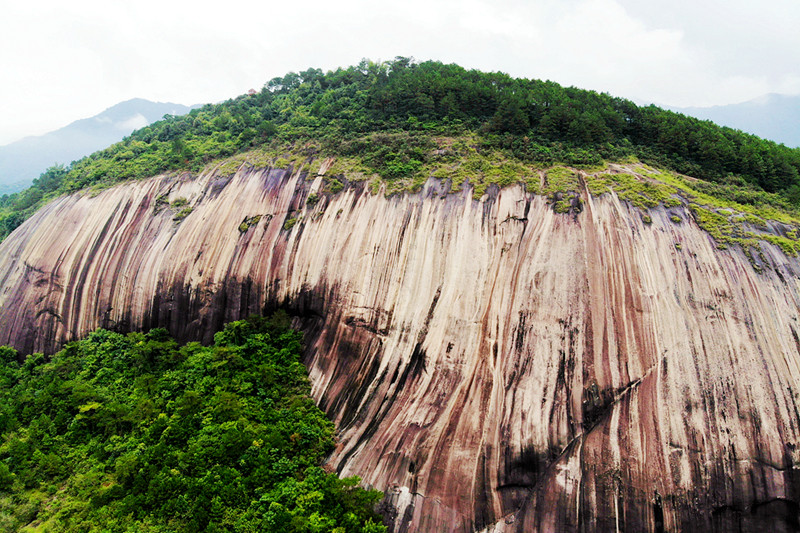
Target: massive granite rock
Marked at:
490, 364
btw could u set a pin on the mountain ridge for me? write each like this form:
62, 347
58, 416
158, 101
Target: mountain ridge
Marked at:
25, 159
387, 114
771, 116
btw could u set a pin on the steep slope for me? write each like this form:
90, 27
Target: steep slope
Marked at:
490, 364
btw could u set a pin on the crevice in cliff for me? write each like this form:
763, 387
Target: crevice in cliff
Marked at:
560, 455
658, 513
357, 322
771, 466
423, 332
50, 312
599, 412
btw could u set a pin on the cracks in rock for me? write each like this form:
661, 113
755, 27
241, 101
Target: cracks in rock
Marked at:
603, 411
30, 268
618, 397
515, 218
768, 464
361, 323
397, 490
51, 312
424, 330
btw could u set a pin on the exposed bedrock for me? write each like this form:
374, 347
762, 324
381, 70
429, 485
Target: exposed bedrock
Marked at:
490, 364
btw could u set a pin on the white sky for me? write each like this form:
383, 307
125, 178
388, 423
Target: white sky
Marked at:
61, 61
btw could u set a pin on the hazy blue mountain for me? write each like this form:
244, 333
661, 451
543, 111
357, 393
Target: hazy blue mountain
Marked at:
24, 160
772, 116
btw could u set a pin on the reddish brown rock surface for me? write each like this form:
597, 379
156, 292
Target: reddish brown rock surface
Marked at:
489, 364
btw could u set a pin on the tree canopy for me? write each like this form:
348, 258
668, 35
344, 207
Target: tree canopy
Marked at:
135, 433
532, 120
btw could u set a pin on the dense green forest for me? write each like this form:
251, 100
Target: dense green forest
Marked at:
387, 113
134, 433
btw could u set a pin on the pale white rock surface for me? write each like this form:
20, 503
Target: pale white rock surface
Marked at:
491, 365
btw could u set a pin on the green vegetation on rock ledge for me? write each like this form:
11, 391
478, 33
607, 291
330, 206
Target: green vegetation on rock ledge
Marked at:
398, 122
733, 213
134, 433
249, 222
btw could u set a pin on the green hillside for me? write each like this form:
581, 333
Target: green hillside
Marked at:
392, 119
134, 433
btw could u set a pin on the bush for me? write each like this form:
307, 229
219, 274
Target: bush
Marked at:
183, 213
289, 224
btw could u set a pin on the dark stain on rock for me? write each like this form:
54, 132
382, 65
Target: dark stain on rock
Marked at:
483, 513
519, 341
522, 471
424, 330
778, 515
596, 405
415, 367
355, 322
218, 185
658, 513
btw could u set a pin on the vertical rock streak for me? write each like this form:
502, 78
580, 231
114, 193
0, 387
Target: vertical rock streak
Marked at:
489, 364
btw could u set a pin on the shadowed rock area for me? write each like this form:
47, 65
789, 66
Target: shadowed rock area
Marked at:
489, 364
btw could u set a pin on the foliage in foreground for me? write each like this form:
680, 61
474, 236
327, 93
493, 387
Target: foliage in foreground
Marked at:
134, 433
386, 114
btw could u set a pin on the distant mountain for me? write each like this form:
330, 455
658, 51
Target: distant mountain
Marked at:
22, 161
772, 116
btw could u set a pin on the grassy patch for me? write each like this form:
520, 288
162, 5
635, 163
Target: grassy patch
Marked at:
161, 203
269, 156
179, 207
561, 206
637, 190
741, 199
714, 208
183, 213
559, 180
350, 166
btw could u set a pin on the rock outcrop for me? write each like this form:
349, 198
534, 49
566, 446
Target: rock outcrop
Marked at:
490, 364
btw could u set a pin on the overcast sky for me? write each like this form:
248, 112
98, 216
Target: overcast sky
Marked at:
61, 61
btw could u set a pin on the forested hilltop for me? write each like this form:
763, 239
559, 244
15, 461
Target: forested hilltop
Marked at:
393, 115
135, 433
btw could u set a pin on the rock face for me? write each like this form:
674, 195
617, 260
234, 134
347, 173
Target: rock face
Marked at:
490, 364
